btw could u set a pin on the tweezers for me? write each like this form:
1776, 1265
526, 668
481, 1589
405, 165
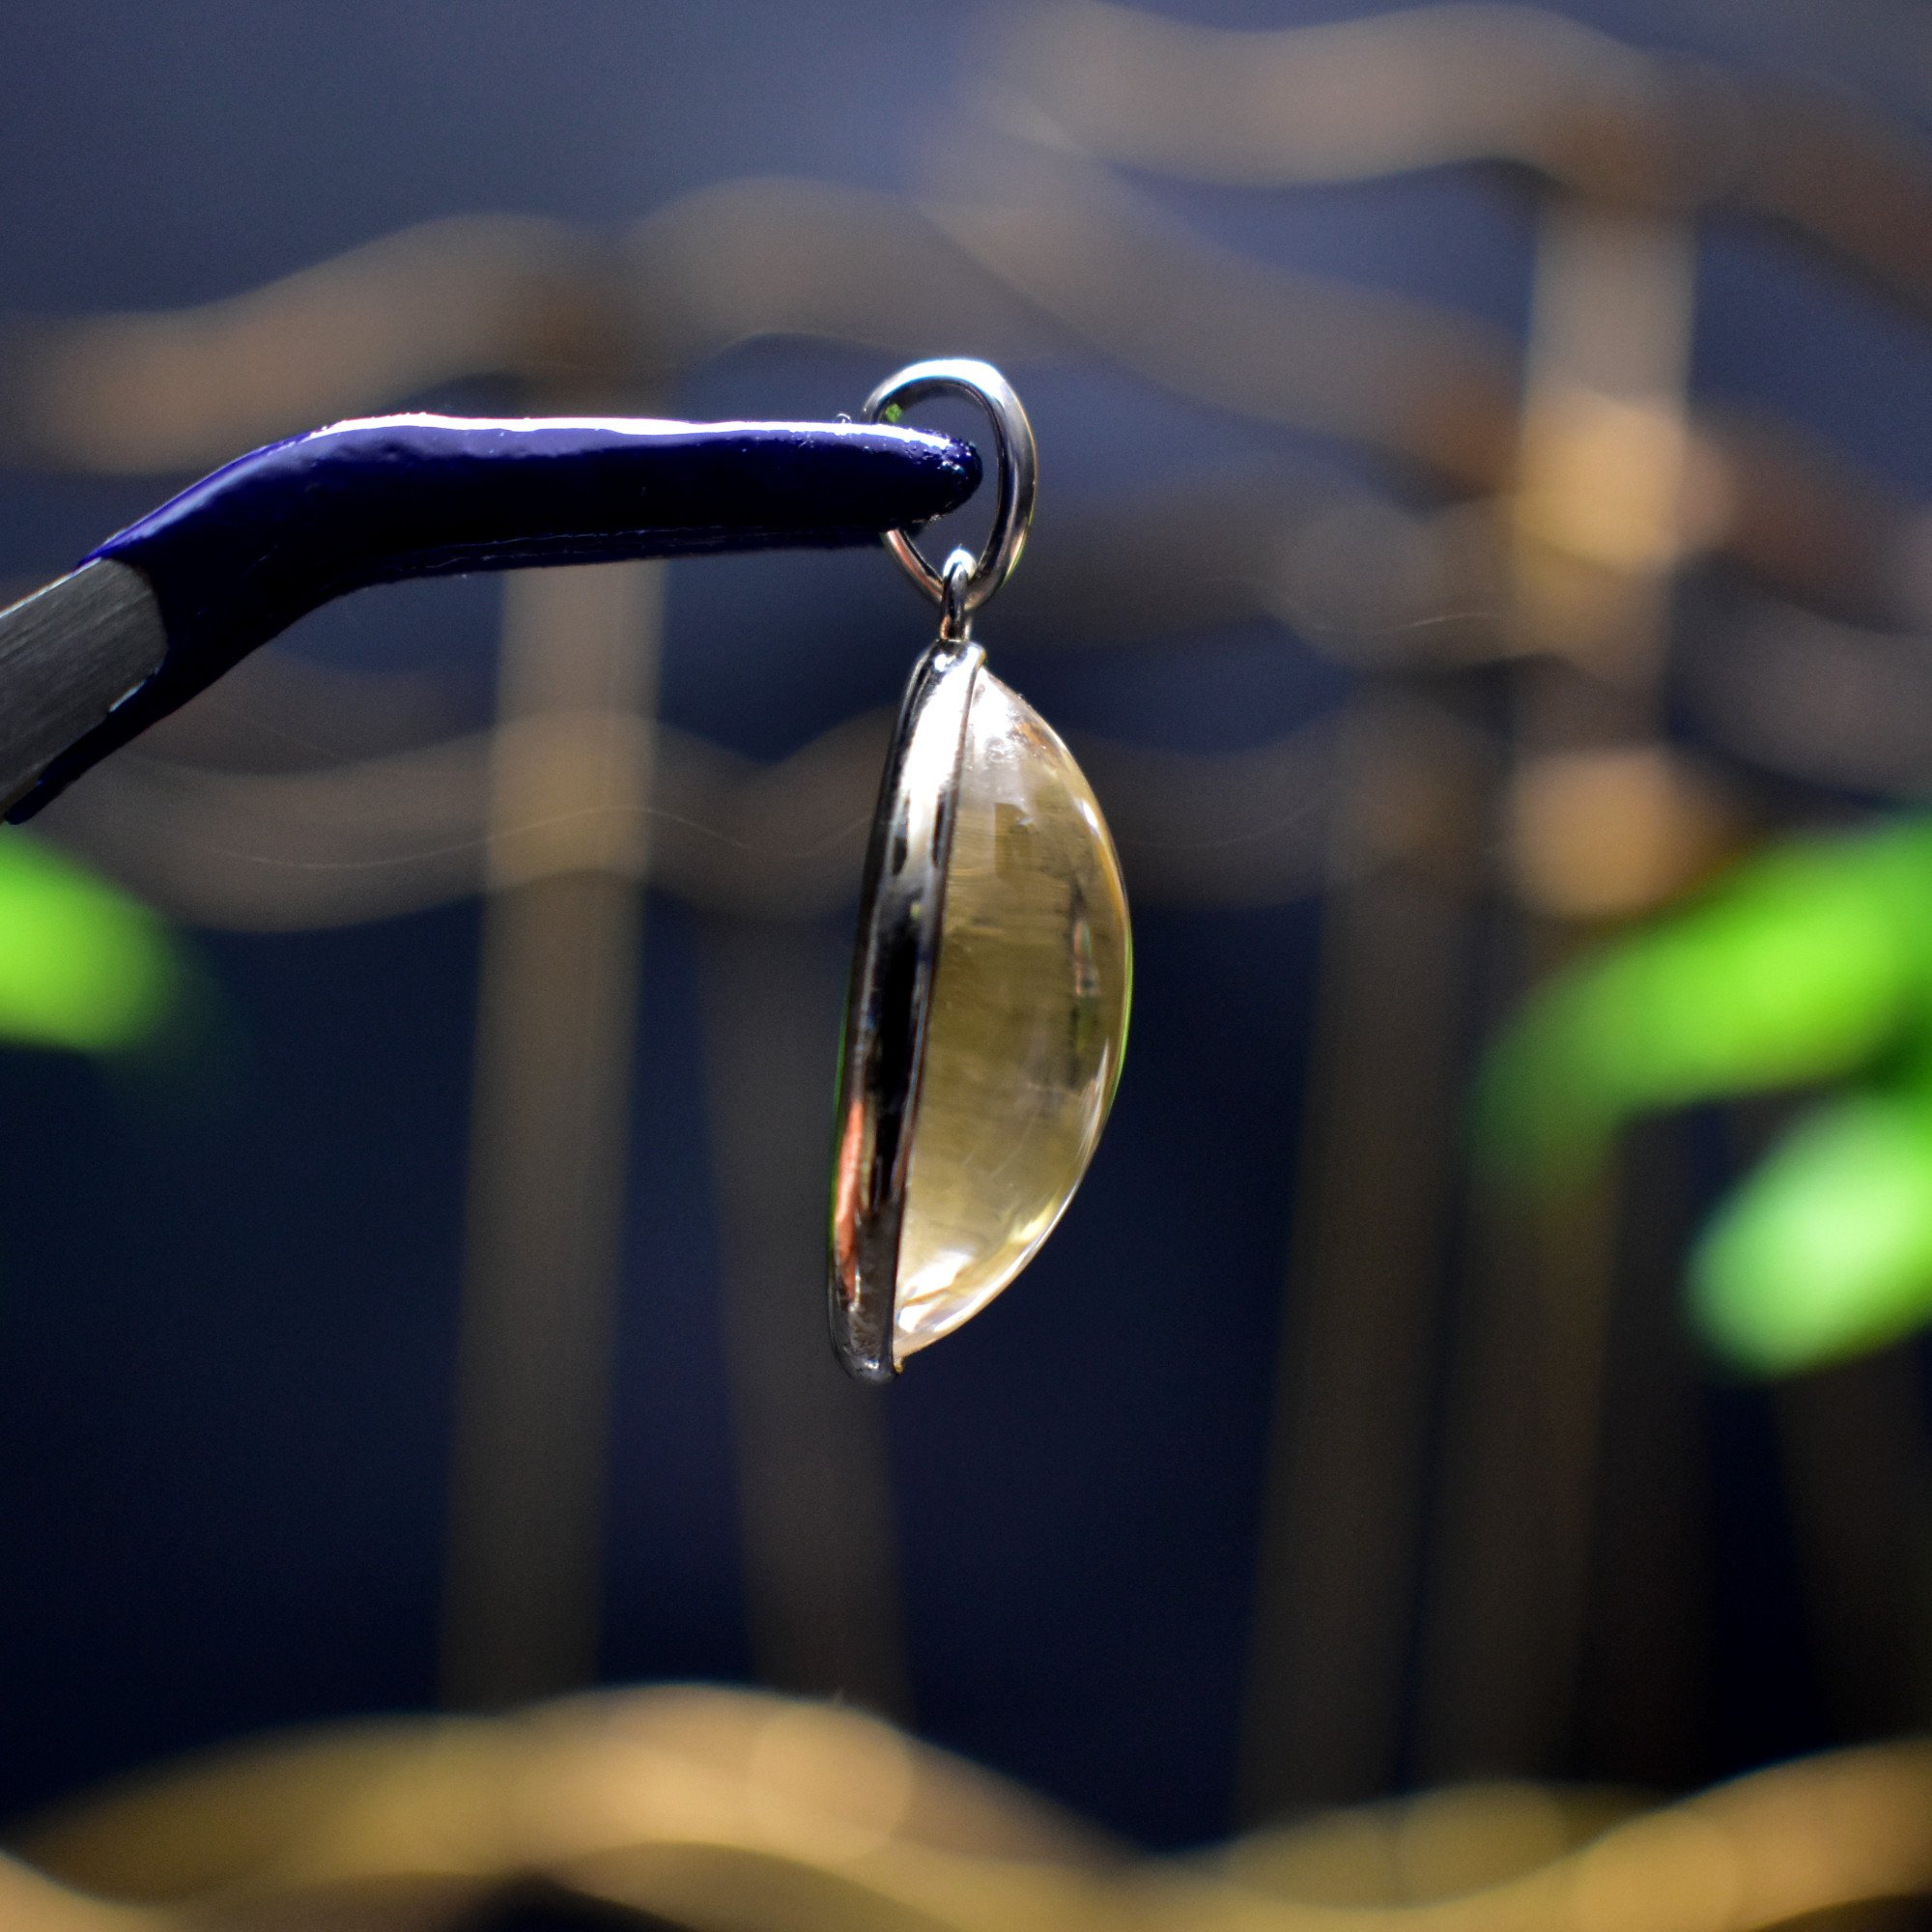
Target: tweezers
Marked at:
160, 611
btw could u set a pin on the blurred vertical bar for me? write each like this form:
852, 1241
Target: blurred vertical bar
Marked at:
550, 1138
1340, 1537
1597, 531
1858, 1470
814, 1499
1641, 1706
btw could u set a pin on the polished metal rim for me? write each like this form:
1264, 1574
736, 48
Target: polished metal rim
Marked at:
902, 903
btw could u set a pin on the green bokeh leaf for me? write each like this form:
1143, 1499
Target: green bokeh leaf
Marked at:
1811, 963
84, 965
1826, 1250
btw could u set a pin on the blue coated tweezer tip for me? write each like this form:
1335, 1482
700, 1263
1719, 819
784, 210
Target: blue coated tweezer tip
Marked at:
246, 551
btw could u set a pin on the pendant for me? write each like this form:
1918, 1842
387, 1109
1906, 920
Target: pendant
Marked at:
992, 970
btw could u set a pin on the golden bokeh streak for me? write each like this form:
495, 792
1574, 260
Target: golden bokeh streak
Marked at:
728, 1810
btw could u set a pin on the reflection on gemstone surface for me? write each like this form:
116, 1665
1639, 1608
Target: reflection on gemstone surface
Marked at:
1028, 1018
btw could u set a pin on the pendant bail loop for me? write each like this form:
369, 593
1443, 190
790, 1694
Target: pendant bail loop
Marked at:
1016, 469
956, 613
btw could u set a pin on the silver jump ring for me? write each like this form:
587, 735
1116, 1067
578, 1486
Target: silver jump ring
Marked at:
1015, 465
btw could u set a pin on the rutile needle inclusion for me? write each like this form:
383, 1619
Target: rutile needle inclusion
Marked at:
1027, 1021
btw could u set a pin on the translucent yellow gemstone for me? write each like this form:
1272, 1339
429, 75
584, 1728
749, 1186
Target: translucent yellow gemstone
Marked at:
1027, 1021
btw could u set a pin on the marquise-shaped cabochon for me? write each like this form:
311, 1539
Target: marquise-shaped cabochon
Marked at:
1027, 1021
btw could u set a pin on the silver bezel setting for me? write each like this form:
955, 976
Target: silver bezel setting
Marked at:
895, 963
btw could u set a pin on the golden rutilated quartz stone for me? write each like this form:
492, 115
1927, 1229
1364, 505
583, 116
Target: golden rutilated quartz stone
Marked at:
1028, 1020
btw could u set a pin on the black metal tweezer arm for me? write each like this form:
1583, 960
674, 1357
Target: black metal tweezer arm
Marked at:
166, 607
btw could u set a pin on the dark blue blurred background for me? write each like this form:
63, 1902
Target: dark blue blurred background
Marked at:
228, 1288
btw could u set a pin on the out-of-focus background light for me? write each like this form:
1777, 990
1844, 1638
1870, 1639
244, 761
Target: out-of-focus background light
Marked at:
1485, 566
